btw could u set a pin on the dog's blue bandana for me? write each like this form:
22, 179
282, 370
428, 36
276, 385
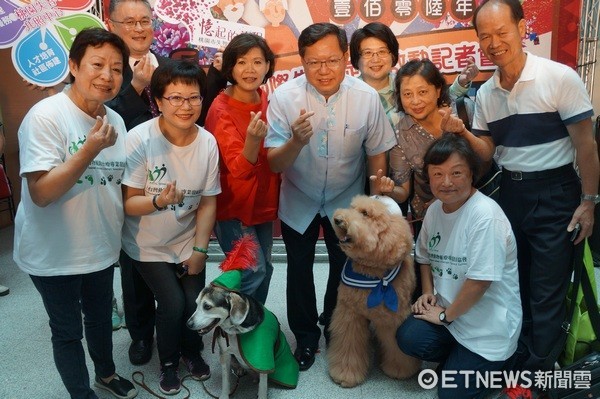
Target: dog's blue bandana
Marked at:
381, 291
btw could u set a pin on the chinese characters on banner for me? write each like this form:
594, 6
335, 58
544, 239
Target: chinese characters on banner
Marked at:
40, 33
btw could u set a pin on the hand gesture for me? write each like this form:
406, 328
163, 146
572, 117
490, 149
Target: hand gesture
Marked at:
301, 128
468, 73
450, 122
424, 303
142, 73
385, 184
101, 136
170, 195
257, 128
218, 58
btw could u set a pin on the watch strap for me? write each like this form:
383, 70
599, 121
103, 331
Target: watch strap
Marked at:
595, 198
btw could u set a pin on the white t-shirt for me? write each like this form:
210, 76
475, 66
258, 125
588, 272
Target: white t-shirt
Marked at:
475, 242
80, 232
152, 162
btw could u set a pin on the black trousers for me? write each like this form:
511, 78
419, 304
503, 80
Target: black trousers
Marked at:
300, 292
539, 211
138, 301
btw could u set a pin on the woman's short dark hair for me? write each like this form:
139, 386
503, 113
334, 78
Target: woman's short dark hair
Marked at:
315, 32
429, 72
95, 37
378, 31
516, 10
239, 46
176, 71
449, 143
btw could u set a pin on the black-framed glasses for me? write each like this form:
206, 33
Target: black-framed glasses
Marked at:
368, 54
131, 23
332, 63
177, 101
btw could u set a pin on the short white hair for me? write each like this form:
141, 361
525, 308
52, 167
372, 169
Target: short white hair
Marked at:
263, 3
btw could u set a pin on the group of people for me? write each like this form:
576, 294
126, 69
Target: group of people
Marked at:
118, 163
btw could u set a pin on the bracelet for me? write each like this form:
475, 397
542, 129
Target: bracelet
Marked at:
203, 250
158, 208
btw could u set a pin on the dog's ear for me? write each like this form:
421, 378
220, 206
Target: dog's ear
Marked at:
239, 308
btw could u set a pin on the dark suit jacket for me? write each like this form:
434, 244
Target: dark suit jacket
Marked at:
215, 82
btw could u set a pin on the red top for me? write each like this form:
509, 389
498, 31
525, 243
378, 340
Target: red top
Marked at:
250, 193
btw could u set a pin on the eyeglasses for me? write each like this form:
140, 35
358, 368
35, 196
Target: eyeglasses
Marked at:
368, 54
177, 101
131, 23
333, 63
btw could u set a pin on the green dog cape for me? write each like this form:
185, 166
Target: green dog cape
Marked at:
265, 349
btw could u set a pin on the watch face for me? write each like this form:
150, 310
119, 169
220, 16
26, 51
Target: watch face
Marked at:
443, 316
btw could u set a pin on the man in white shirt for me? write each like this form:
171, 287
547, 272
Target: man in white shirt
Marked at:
322, 126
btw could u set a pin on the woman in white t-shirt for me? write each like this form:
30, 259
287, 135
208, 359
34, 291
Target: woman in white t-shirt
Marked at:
170, 186
68, 225
469, 316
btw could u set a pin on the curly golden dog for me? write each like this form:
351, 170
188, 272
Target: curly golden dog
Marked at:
377, 283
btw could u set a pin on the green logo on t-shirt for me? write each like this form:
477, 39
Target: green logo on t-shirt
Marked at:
75, 146
434, 241
157, 174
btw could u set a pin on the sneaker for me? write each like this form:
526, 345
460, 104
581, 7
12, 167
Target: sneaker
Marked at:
170, 384
117, 319
519, 392
197, 367
119, 387
4, 290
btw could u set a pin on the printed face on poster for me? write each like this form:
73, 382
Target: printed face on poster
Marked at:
437, 29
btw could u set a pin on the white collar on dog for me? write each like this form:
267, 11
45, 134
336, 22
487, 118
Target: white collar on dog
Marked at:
381, 291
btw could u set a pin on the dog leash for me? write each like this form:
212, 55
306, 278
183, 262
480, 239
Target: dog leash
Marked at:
143, 385
237, 383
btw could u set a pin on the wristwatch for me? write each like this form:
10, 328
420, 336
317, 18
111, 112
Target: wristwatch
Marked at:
591, 197
443, 318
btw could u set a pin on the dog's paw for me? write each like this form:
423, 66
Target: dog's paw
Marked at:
401, 370
347, 378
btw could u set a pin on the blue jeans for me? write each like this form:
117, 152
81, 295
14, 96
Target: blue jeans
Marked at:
254, 283
175, 303
434, 343
65, 299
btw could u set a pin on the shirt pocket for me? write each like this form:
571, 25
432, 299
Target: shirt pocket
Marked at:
353, 142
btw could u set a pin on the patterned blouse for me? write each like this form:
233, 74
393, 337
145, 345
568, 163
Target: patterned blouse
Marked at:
406, 161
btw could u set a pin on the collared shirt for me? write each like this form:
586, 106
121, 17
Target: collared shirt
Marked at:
386, 96
529, 123
330, 170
